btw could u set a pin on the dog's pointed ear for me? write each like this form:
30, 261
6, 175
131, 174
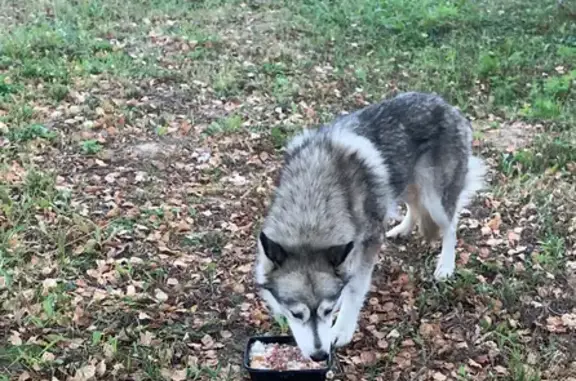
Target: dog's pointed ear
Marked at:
336, 255
273, 251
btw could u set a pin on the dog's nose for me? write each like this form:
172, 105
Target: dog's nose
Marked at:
319, 356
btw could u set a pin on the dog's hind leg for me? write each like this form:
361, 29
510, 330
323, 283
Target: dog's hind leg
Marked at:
440, 183
447, 258
444, 206
447, 223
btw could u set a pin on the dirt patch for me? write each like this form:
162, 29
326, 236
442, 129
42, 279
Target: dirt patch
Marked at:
508, 135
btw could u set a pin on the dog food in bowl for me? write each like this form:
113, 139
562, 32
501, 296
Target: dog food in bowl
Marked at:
276, 356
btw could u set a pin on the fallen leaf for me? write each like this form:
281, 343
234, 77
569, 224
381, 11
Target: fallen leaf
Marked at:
394, 334
114, 212
495, 222
238, 180
48, 357
146, 338
403, 359
464, 258
408, 343
484, 252
368, 357
555, 324
500, 369
357, 360
185, 127
569, 320
130, 290
439, 377
513, 238
429, 330
482, 359
160, 295
85, 373
111, 177
166, 373
183, 226
178, 375
494, 242
474, 364
207, 341
78, 314
382, 344
387, 307
245, 268
15, 338
144, 316
49, 284
532, 358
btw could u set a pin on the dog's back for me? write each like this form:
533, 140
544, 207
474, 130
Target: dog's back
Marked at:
410, 126
338, 177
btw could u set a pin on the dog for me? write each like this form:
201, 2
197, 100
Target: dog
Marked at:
338, 187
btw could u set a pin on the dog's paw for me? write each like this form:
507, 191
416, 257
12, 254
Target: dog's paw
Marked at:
443, 271
342, 334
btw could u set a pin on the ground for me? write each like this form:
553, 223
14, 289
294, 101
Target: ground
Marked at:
140, 140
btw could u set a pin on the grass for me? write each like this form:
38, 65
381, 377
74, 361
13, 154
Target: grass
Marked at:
91, 147
104, 273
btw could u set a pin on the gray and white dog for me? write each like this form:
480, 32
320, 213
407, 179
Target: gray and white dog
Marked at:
338, 187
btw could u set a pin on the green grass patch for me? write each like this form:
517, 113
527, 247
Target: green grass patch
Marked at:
549, 152
6, 87
450, 47
30, 132
227, 125
90, 147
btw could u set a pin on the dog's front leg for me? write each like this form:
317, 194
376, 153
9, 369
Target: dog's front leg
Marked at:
352, 301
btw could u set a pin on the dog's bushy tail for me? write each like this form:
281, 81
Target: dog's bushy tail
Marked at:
475, 181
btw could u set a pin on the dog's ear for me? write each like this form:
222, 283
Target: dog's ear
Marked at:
336, 255
273, 251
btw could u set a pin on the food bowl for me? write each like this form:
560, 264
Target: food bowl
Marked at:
283, 375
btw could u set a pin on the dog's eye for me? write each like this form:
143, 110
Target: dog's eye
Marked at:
328, 312
298, 315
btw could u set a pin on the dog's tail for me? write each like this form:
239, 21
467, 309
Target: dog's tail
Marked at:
475, 181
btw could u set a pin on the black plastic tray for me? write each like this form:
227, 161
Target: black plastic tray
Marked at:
283, 375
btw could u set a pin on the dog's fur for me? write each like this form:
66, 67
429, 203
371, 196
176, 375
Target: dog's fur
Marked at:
339, 185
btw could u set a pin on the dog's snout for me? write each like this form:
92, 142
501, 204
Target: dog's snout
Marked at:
319, 356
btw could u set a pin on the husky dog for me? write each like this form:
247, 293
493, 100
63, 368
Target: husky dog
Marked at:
339, 185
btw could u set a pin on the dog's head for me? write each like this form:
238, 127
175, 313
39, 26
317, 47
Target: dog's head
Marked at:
304, 285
